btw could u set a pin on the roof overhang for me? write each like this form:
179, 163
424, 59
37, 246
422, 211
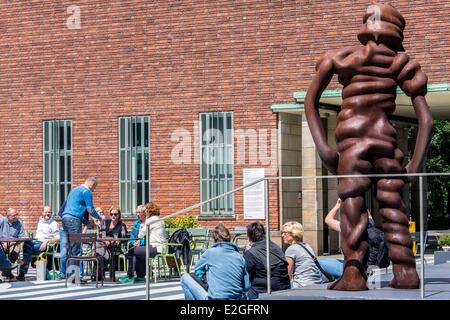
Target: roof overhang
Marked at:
438, 98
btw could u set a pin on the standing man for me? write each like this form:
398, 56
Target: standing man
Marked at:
78, 207
12, 227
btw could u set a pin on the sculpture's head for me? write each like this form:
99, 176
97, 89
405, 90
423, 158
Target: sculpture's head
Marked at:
383, 24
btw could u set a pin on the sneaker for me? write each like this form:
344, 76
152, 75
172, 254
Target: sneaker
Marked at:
8, 276
82, 281
21, 277
9, 279
59, 277
126, 280
94, 278
139, 280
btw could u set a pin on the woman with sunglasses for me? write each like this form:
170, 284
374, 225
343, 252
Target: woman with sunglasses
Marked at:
114, 227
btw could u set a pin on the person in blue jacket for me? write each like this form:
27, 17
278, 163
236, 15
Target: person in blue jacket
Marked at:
141, 216
78, 207
226, 275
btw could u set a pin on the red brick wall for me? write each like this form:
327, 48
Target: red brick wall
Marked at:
169, 60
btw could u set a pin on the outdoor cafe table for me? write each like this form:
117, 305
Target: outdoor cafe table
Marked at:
114, 251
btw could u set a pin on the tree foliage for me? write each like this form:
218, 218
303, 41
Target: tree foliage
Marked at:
438, 160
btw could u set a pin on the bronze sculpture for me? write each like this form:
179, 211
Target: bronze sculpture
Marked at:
366, 140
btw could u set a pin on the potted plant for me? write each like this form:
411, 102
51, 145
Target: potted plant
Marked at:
187, 222
444, 242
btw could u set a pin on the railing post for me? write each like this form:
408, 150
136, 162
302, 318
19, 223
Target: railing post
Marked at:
422, 244
266, 207
147, 264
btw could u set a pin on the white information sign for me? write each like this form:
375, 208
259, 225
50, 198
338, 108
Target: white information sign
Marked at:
254, 197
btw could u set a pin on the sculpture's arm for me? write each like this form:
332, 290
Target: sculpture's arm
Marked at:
425, 120
320, 81
413, 82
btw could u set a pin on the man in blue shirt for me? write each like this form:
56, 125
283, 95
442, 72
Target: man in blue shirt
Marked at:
79, 206
12, 227
226, 274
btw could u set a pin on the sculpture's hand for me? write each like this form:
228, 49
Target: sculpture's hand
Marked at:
330, 159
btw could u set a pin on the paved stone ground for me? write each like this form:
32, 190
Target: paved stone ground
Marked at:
437, 287
55, 290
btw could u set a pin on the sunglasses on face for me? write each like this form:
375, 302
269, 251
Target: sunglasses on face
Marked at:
114, 214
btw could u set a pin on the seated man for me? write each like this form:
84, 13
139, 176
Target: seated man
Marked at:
255, 261
226, 275
141, 216
12, 227
47, 231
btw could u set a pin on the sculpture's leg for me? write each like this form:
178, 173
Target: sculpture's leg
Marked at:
396, 225
354, 244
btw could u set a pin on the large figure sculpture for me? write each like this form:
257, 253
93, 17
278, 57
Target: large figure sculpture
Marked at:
366, 140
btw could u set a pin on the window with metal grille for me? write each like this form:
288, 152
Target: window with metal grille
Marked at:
134, 162
216, 163
57, 162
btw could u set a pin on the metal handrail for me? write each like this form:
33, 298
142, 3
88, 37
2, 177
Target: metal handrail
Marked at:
266, 187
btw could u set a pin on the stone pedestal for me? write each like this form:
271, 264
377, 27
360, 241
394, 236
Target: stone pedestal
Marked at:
441, 257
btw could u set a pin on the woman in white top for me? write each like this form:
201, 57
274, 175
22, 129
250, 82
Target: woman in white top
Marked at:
136, 256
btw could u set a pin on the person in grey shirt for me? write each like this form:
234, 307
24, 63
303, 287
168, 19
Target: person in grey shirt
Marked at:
301, 267
12, 227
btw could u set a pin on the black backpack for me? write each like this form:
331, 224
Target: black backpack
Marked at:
378, 253
181, 236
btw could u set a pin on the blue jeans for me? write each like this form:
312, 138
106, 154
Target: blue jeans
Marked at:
30, 248
334, 267
5, 264
70, 225
192, 290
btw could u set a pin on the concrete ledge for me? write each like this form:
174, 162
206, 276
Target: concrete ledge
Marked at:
437, 287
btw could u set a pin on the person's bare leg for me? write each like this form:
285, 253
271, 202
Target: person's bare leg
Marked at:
354, 245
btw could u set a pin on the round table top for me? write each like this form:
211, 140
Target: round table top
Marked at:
117, 239
11, 239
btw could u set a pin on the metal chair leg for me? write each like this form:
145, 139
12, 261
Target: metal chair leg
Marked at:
96, 279
65, 275
155, 268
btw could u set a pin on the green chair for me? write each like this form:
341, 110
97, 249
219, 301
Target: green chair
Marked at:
121, 258
164, 262
199, 242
